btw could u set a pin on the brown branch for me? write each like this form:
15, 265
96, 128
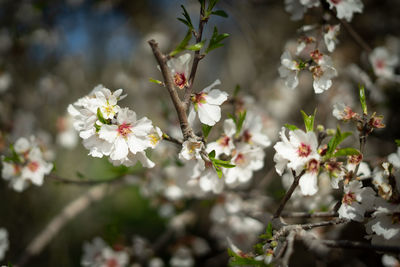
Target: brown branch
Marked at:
196, 59
70, 211
168, 138
309, 215
80, 182
359, 245
288, 193
179, 106
359, 40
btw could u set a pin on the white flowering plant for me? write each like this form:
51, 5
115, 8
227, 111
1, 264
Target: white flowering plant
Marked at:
224, 172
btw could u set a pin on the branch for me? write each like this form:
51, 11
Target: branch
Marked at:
196, 59
359, 245
309, 215
288, 193
179, 106
359, 40
69, 212
168, 138
80, 182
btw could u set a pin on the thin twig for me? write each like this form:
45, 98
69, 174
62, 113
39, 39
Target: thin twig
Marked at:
69, 212
196, 59
359, 245
288, 193
168, 138
80, 182
359, 40
179, 106
289, 249
309, 215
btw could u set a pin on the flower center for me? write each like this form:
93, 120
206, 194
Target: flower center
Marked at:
154, 139
355, 159
112, 263
124, 129
224, 141
380, 64
349, 198
247, 136
317, 71
199, 98
109, 110
180, 80
304, 150
313, 166
193, 147
33, 166
240, 159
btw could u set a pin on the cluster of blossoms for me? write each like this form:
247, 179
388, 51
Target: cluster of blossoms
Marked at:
25, 165
109, 130
99, 254
344, 8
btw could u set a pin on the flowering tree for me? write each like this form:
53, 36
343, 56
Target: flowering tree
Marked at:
214, 163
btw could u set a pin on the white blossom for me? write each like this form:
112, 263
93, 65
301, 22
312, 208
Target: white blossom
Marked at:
296, 151
330, 36
180, 70
207, 104
322, 73
384, 227
26, 166
383, 62
99, 254
246, 160
346, 8
224, 145
252, 131
191, 150
4, 243
289, 70
356, 201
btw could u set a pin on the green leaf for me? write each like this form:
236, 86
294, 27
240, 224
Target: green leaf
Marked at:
291, 127
223, 163
187, 21
362, 99
239, 125
183, 44
155, 81
237, 260
211, 5
100, 117
397, 142
268, 231
309, 120
196, 47
206, 130
336, 140
98, 127
236, 91
349, 151
220, 13
216, 40
211, 155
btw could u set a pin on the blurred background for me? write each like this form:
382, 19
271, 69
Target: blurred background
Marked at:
54, 52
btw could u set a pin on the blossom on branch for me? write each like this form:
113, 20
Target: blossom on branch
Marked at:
180, 70
207, 104
346, 8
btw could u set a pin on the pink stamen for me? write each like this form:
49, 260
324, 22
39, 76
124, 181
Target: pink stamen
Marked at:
180, 80
304, 150
33, 166
124, 129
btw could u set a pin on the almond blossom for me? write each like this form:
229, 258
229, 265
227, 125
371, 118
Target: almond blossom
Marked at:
180, 70
252, 131
356, 201
99, 254
246, 160
346, 8
207, 104
4, 243
330, 36
295, 152
26, 165
323, 72
383, 63
224, 144
384, 227
289, 70
127, 135
343, 112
